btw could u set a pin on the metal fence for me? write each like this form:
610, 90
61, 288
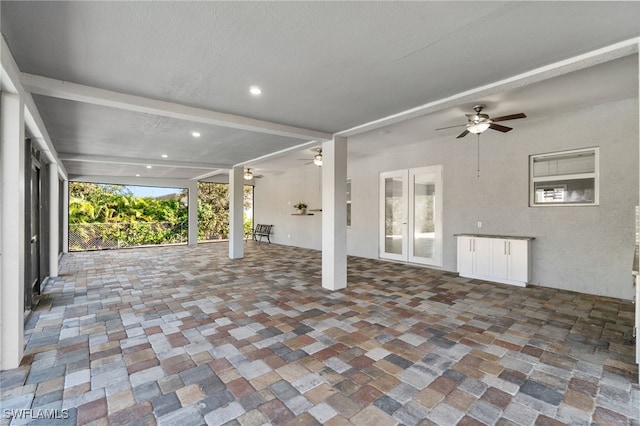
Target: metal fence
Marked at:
101, 236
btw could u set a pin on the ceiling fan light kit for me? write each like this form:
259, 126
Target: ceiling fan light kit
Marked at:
478, 128
478, 123
248, 175
317, 158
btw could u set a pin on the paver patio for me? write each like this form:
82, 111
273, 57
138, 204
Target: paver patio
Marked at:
184, 336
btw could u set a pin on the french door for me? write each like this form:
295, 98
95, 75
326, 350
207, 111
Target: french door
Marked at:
411, 215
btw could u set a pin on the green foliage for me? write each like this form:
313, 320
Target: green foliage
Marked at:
98, 203
132, 221
213, 210
247, 225
127, 220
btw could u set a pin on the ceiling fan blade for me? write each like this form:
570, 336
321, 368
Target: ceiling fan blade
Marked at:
509, 117
499, 127
463, 134
451, 127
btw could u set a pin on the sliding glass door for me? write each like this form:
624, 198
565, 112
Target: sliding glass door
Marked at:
411, 215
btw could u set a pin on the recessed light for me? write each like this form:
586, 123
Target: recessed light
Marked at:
195, 134
255, 90
137, 174
148, 167
164, 156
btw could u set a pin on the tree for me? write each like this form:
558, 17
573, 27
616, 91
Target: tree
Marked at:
128, 220
213, 210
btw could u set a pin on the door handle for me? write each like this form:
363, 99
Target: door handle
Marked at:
34, 239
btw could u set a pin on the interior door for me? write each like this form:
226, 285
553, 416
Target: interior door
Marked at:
393, 215
411, 215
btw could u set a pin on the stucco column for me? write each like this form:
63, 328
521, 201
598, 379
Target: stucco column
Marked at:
65, 216
334, 214
12, 230
54, 219
193, 213
236, 213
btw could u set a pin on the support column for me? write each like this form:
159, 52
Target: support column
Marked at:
236, 213
334, 214
65, 216
12, 230
54, 219
193, 213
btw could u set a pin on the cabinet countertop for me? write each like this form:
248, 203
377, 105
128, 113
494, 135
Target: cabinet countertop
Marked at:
506, 237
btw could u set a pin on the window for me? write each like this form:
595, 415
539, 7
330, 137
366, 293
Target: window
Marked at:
348, 202
568, 178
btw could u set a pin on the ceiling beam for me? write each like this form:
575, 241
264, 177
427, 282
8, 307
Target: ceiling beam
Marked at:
280, 153
576, 63
210, 174
132, 181
107, 159
11, 81
92, 95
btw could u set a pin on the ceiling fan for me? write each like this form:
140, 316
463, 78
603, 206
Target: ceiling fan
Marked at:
479, 122
317, 159
248, 174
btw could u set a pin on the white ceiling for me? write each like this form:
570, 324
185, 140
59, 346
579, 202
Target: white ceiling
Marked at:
323, 66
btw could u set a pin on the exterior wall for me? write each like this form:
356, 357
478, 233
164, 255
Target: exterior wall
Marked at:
585, 249
274, 197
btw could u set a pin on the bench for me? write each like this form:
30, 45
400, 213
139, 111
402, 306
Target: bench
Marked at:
262, 231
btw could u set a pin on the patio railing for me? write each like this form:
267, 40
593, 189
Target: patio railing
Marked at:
101, 236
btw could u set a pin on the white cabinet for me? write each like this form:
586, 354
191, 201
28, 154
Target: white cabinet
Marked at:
501, 259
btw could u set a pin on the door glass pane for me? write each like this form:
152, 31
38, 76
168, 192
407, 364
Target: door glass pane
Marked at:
393, 217
424, 231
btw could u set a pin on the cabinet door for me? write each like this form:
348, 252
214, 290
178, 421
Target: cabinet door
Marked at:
518, 251
500, 258
465, 255
482, 254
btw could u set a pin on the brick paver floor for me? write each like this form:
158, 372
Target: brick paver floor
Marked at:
185, 336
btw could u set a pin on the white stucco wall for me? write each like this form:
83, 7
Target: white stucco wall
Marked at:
274, 197
585, 249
